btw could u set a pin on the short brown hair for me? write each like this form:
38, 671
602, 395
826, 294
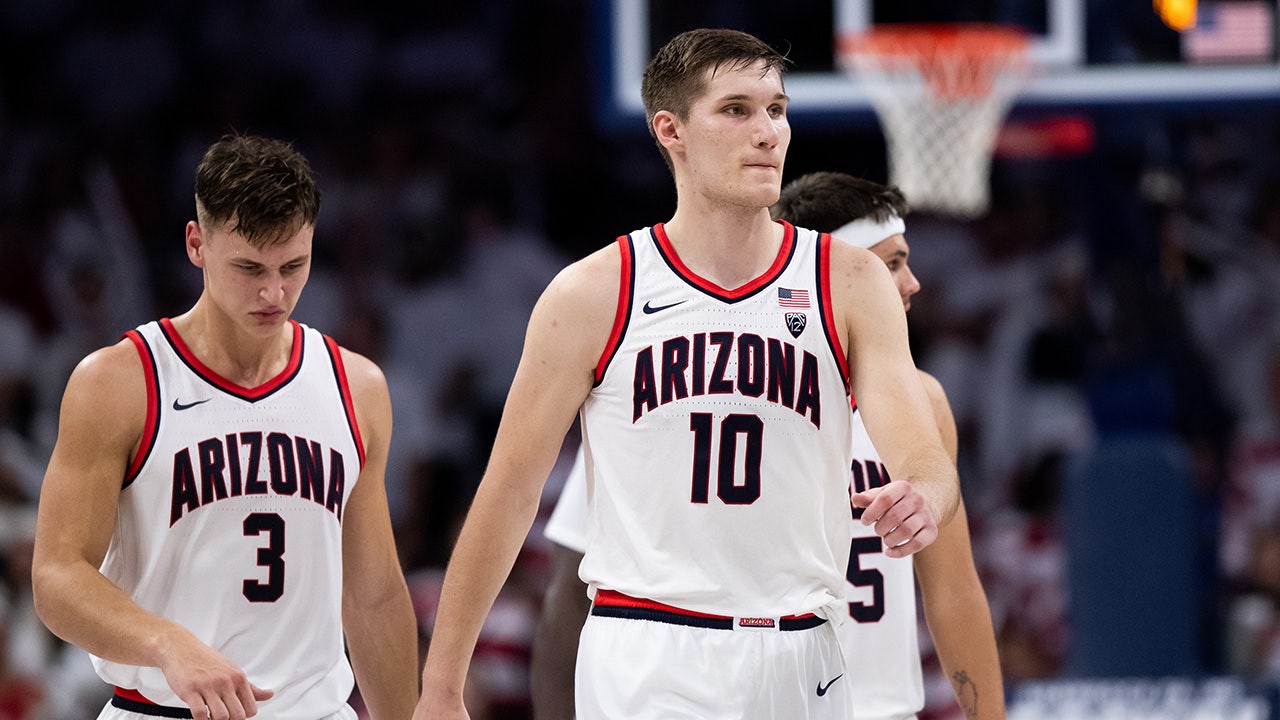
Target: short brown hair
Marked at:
259, 187
826, 201
677, 74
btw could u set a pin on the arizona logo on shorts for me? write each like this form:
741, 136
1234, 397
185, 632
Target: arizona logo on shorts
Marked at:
761, 622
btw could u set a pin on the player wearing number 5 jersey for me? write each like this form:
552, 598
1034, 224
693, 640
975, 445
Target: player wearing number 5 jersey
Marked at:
213, 516
709, 359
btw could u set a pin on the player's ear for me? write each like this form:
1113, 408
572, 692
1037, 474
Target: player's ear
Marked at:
195, 244
667, 130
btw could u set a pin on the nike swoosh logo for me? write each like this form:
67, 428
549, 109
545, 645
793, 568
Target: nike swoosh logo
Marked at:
822, 689
183, 406
651, 309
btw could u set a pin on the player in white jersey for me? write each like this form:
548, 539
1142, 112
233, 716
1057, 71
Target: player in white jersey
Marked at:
213, 516
708, 357
879, 639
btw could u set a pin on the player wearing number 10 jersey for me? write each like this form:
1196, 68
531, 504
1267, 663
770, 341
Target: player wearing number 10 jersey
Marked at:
213, 523
744, 388
709, 359
879, 638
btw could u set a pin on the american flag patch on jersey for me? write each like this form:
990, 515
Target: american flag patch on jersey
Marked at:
788, 297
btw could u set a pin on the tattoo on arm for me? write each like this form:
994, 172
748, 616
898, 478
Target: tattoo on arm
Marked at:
966, 693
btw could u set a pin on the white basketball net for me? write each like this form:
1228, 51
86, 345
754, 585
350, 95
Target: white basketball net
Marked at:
941, 103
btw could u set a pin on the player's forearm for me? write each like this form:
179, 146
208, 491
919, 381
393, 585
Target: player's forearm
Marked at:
81, 606
964, 638
382, 637
934, 475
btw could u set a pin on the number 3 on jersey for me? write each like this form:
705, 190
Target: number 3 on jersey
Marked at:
271, 557
728, 489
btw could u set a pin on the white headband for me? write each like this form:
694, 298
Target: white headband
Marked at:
866, 232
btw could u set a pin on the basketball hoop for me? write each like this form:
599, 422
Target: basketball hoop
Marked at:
941, 93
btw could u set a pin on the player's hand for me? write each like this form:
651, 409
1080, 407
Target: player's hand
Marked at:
210, 684
902, 518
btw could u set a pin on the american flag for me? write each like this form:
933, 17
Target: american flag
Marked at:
788, 297
1237, 30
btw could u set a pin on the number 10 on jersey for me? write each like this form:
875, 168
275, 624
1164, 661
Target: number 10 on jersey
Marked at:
749, 429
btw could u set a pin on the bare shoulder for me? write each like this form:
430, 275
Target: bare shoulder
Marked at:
593, 280
363, 374
859, 278
110, 376
108, 383
852, 262
370, 396
579, 306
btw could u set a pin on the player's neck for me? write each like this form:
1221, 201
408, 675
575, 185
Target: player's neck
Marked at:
729, 246
244, 358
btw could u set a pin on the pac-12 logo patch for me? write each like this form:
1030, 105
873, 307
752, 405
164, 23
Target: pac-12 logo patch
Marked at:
795, 323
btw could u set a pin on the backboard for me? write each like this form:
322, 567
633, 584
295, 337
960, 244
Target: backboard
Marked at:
1084, 54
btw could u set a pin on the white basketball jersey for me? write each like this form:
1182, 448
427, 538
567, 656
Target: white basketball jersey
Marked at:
230, 519
879, 638
717, 437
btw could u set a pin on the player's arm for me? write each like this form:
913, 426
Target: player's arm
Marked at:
893, 403
955, 605
567, 332
555, 643
100, 427
377, 614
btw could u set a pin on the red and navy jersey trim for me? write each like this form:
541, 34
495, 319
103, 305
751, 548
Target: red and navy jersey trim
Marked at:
255, 394
621, 318
152, 423
780, 262
827, 305
344, 389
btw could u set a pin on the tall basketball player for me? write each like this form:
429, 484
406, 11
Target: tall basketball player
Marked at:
213, 516
710, 359
879, 636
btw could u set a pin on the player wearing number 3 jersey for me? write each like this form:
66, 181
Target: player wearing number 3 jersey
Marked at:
213, 517
241, 496
709, 359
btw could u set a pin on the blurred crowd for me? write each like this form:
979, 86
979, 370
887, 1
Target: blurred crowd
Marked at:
1133, 288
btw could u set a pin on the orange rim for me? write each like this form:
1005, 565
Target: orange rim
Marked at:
957, 60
